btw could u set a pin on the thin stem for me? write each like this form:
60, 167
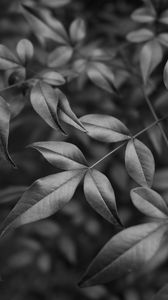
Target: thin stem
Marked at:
155, 116
15, 84
133, 137
108, 154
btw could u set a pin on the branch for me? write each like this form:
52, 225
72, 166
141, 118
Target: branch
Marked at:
155, 116
123, 144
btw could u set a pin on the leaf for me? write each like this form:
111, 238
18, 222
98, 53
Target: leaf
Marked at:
143, 15
4, 131
45, 102
52, 78
25, 50
162, 294
164, 17
60, 56
16, 101
127, 251
100, 195
140, 35
149, 202
43, 198
44, 31
7, 59
150, 56
163, 39
165, 75
63, 155
77, 30
54, 3
139, 163
105, 128
66, 114
102, 76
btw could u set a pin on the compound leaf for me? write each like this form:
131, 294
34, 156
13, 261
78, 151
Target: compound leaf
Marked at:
44, 26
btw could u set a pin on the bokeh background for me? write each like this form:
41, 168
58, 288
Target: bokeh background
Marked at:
45, 260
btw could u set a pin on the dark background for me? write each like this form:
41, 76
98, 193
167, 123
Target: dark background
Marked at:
45, 260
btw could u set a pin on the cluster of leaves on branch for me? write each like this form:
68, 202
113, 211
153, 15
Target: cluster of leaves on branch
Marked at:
68, 56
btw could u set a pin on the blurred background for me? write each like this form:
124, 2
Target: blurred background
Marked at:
45, 260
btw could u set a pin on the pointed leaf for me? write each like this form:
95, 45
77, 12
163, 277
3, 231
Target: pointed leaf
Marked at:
43, 30
45, 102
66, 114
64, 155
7, 59
150, 56
4, 130
25, 50
139, 162
102, 76
60, 56
143, 15
149, 202
127, 251
105, 128
43, 198
140, 35
52, 78
77, 30
162, 294
100, 195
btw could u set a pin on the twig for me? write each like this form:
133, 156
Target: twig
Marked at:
124, 143
155, 115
